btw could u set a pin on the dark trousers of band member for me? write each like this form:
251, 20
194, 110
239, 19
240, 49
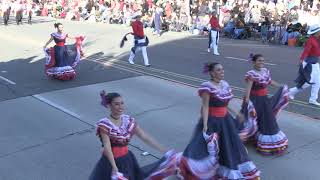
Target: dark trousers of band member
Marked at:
310, 67
19, 17
29, 17
6, 16
210, 39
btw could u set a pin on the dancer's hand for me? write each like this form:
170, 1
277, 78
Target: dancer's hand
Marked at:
246, 100
205, 128
115, 170
240, 117
118, 176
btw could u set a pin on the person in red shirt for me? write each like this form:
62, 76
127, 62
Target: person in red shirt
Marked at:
134, 6
140, 40
309, 71
214, 33
150, 4
101, 2
168, 10
19, 12
121, 5
30, 7
137, 28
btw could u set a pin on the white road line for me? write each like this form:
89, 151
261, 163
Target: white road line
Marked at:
246, 45
241, 59
43, 99
7, 80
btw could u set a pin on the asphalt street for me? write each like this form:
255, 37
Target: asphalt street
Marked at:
174, 56
51, 135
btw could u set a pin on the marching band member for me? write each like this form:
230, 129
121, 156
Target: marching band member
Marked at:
309, 71
214, 33
140, 40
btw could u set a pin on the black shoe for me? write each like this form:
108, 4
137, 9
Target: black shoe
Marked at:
148, 65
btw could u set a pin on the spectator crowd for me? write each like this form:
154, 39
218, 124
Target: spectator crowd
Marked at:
278, 21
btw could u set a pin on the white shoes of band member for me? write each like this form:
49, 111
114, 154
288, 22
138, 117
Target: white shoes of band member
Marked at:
290, 95
312, 102
215, 51
131, 62
316, 103
208, 50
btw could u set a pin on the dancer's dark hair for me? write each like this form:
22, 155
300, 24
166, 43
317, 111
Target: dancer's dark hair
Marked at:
56, 25
254, 57
208, 67
107, 98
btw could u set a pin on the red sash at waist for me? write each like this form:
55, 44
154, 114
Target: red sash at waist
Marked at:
60, 44
259, 92
119, 151
218, 111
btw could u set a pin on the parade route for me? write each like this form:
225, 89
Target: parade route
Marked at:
174, 54
51, 135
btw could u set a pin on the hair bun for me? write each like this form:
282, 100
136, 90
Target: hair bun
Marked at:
56, 25
102, 93
206, 68
103, 96
251, 56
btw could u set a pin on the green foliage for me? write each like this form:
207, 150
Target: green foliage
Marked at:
301, 40
59, 8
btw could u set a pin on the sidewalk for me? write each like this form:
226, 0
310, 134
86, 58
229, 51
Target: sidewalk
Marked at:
51, 136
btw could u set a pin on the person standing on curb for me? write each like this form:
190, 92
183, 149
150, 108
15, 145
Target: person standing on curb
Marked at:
157, 18
19, 12
6, 12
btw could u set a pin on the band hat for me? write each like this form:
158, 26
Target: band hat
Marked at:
313, 29
136, 15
